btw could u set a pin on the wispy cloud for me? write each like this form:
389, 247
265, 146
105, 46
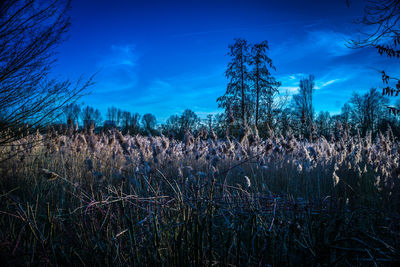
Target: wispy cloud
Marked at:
290, 82
328, 42
322, 83
162, 95
289, 90
119, 55
313, 44
118, 69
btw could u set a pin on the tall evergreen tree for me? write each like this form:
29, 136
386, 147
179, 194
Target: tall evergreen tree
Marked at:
265, 85
237, 95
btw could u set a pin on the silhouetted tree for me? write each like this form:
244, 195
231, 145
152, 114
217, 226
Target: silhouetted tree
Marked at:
134, 123
284, 121
381, 21
90, 115
172, 126
126, 119
221, 124
97, 117
367, 109
346, 111
237, 95
210, 121
189, 120
265, 85
112, 115
303, 105
177, 125
129, 121
149, 122
119, 117
71, 111
323, 123
30, 30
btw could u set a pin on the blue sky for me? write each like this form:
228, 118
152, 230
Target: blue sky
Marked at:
162, 57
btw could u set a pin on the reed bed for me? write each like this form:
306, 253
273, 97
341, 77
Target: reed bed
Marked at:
112, 199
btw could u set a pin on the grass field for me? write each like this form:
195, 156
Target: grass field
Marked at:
109, 199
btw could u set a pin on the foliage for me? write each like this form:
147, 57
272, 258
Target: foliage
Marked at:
251, 85
237, 96
265, 86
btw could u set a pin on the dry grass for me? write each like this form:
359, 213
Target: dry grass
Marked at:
87, 199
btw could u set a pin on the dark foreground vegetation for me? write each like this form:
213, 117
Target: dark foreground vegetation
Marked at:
113, 199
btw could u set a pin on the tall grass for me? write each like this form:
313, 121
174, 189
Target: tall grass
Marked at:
109, 199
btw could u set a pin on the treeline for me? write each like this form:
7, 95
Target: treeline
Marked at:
363, 113
252, 103
90, 117
129, 122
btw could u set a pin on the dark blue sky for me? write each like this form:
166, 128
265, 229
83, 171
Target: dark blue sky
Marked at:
165, 56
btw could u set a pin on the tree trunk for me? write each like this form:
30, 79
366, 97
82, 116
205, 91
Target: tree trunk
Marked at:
258, 97
242, 85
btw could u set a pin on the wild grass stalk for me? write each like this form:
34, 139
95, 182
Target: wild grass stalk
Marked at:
122, 200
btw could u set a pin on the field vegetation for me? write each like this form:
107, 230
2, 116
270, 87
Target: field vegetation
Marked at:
82, 198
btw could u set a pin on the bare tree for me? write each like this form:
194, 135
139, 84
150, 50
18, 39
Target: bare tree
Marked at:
112, 114
381, 27
149, 122
285, 120
119, 117
323, 123
135, 125
173, 126
97, 118
30, 30
367, 109
189, 120
90, 115
345, 115
381, 31
71, 112
126, 119
130, 121
304, 105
